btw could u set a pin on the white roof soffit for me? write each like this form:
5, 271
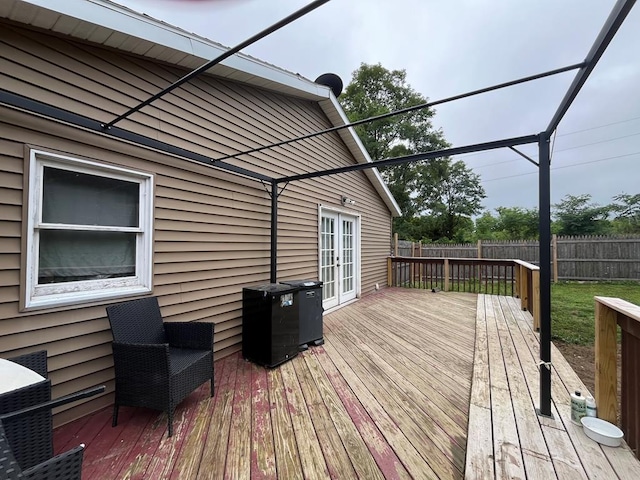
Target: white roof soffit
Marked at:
107, 23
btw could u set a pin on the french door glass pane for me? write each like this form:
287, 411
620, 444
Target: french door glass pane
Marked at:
328, 256
348, 267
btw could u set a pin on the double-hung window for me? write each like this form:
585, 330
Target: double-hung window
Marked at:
89, 231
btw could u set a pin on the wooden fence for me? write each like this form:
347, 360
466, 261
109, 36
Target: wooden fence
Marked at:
573, 258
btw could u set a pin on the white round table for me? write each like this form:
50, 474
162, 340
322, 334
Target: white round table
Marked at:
14, 376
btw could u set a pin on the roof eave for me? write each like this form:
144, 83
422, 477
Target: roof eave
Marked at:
109, 24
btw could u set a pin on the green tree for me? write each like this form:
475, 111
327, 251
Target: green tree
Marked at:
576, 215
454, 198
515, 223
373, 91
626, 209
420, 187
486, 226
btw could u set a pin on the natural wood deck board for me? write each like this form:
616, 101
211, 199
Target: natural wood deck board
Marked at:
525, 444
386, 397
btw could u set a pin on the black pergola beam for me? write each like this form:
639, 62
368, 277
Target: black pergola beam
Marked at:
446, 152
211, 63
408, 110
65, 116
617, 16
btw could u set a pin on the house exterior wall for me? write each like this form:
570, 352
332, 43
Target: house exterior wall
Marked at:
211, 228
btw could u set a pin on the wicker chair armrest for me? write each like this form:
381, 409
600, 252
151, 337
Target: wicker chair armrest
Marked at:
133, 359
66, 466
196, 335
36, 361
58, 402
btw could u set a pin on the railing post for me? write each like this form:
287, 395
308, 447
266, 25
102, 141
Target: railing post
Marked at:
516, 277
606, 367
554, 246
535, 301
524, 288
446, 274
389, 272
395, 244
412, 267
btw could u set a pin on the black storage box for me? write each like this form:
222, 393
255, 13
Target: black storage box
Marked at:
270, 323
310, 307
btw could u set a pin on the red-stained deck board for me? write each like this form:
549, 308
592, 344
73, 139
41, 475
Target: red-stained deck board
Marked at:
214, 452
388, 462
286, 449
238, 463
263, 463
83, 430
190, 455
116, 457
167, 455
105, 441
335, 455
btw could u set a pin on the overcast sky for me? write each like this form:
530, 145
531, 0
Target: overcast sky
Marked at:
455, 46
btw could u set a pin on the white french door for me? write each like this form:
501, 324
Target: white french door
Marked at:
339, 257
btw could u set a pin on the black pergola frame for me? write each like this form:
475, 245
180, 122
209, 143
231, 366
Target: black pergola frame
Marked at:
617, 16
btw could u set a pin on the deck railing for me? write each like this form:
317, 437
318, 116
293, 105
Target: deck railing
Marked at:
611, 313
475, 275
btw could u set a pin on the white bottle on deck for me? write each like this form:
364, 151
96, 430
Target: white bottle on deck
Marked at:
578, 406
591, 409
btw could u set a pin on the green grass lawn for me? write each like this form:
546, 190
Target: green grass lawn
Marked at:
573, 308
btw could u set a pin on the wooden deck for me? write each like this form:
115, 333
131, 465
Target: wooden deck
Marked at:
387, 396
410, 384
506, 438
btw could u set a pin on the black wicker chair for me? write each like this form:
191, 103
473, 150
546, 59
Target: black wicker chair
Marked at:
157, 364
66, 466
30, 437
26, 433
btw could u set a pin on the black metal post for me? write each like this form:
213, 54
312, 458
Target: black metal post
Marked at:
274, 232
544, 180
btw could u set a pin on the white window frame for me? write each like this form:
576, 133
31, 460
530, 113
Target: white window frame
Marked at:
70, 293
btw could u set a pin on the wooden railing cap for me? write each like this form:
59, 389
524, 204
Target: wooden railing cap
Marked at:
528, 265
626, 308
463, 259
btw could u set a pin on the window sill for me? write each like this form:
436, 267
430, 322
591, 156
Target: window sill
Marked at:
78, 298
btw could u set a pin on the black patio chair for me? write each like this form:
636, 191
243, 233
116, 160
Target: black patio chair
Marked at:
66, 466
26, 433
31, 438
157, 364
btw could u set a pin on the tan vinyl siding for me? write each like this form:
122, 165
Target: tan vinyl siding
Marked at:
211, 228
